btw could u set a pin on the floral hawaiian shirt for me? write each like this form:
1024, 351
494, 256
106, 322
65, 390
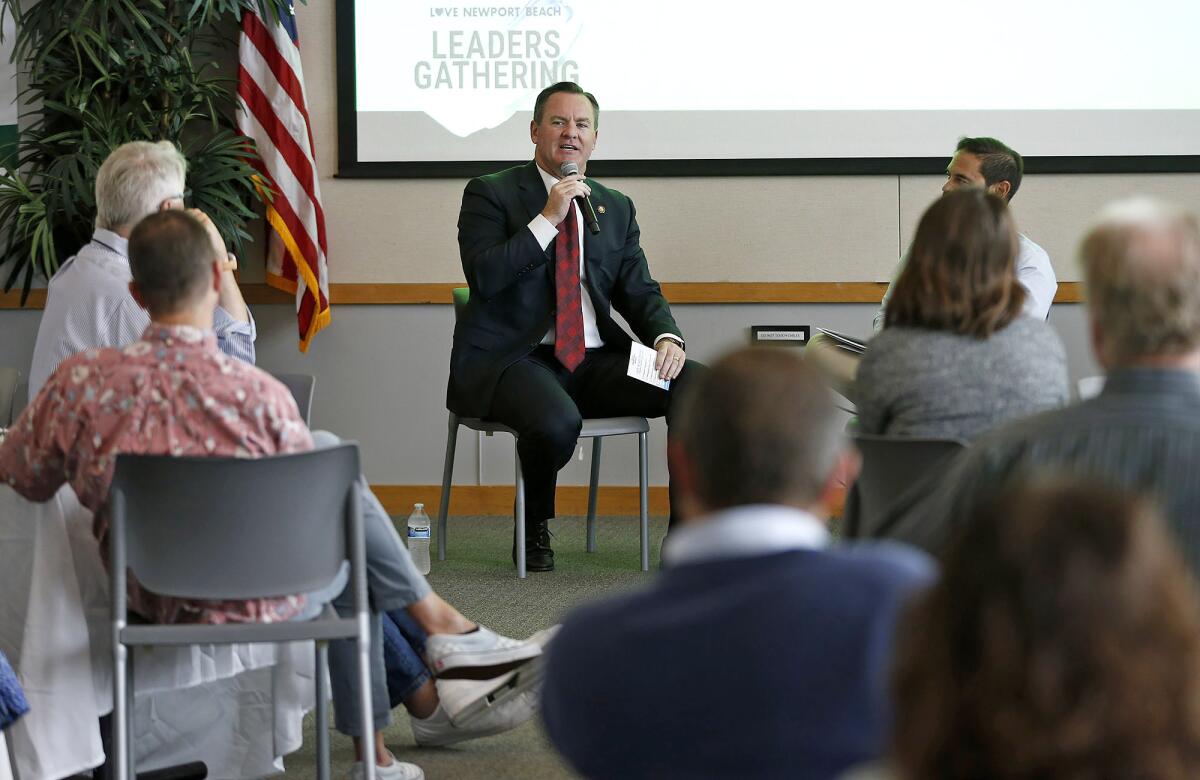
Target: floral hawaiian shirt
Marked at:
172, 392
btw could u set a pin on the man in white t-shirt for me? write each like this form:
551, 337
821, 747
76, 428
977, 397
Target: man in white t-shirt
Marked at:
977, 162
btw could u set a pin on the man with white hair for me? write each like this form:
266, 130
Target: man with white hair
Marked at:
1141, 264
88, 304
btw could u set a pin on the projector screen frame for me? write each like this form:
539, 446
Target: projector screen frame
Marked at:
350, 167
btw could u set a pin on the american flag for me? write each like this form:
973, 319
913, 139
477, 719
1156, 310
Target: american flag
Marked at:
273, 112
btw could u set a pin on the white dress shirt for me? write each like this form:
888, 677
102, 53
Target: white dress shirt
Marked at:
744, 531
545, 233
1034, 272
88, 305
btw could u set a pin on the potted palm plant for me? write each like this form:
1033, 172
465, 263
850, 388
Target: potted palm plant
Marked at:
104, 72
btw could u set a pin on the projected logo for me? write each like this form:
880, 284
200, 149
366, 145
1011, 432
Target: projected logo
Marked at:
480, 62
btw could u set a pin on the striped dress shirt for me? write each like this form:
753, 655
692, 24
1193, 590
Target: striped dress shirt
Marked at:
1142, 433
88, 305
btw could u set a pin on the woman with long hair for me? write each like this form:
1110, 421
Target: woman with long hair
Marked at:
1062, 641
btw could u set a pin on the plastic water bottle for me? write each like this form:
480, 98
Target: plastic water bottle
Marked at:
418, 538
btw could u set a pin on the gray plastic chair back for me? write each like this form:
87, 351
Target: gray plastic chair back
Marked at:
895, 471
20, 398
10, 378
236, 528
301, 387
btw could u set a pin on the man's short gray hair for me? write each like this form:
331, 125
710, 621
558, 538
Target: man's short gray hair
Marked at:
134, 180
1141, 264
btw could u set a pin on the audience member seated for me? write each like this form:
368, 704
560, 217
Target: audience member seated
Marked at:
88, 304
957, 356
174, 392
761, 651
1141, 266
1062, 641
978, 163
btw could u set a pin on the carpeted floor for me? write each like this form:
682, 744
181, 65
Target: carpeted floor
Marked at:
479, 579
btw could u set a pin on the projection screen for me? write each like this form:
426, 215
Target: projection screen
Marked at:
446, 88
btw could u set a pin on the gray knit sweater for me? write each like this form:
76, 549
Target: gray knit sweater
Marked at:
917, 382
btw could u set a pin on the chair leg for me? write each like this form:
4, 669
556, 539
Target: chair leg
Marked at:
644, 499
447, 479
120, 722
366, 712
322, 670
593, 490
130, 719
520, 515
11, 756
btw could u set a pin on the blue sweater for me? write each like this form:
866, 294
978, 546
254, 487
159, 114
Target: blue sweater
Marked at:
766, 666
12, 698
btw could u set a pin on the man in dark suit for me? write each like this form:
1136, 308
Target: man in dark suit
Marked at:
537, 348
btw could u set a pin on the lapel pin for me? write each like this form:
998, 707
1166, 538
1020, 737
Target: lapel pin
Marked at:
600, 208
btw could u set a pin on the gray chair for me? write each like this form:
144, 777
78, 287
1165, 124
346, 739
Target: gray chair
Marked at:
20, 398
10, 384
595, 429
236, 528
896, 473
301, 386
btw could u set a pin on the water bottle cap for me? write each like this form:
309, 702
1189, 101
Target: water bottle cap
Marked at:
418, 505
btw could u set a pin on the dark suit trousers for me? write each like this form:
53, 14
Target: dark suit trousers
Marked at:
546, 404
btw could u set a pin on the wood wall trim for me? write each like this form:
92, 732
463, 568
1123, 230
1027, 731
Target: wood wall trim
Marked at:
363, 294
676, 292
497, 500
774, 292
1069, 292
12, 300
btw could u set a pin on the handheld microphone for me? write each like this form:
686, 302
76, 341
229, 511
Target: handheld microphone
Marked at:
570, 168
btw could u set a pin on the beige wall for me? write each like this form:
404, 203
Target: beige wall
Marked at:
1055, 210
781, 228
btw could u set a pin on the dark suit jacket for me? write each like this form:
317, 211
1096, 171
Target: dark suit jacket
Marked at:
769, 666
512, 281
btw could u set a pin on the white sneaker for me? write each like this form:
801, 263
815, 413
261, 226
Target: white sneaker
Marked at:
466, 700
479, 655
397, 770
439, 729
469, 709
543, 637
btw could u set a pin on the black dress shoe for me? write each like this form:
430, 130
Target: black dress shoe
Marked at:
538, 555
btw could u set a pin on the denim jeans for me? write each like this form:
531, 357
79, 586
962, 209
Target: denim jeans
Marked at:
393, 583
403, 656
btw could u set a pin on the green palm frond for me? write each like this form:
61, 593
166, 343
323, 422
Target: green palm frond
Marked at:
104, 72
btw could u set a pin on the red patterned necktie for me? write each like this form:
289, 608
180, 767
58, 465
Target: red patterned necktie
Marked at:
568, 319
